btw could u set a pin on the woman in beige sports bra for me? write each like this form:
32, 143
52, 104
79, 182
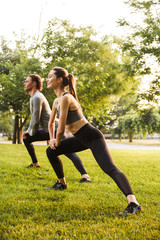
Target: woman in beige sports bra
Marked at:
85, 136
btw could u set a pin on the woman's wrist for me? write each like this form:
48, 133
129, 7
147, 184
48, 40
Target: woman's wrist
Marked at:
55, 145
52, 143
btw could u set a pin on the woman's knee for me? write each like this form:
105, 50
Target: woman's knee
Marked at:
52, 156
113, 172
50, 152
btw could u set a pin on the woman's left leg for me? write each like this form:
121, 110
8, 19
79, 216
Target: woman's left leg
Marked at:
105, 161
94, 139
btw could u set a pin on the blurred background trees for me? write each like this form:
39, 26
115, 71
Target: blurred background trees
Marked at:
15, 65
109, 73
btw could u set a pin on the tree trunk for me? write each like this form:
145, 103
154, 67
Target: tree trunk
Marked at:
19, 132
18, 129
130, 136
16, 120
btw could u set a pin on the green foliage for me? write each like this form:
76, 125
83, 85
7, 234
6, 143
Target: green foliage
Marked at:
16, 64
150, 121
83, 211
152, 95
94, 64
99, 67
127, 123
6, 124
142, 122
143, 43
144, 39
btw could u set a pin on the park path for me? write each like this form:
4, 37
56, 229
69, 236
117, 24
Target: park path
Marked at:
112, 146
131, 147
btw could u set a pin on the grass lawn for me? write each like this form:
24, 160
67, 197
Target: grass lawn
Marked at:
83, 211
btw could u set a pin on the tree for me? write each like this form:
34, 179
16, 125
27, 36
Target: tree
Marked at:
144, 122
150, 121
16, 64
128, 124
99, 67
143, 43
152, 95
95, 64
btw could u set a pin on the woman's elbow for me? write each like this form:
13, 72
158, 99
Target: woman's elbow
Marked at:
50, 124
61, 131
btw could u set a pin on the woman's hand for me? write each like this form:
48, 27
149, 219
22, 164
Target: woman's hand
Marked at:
52, 143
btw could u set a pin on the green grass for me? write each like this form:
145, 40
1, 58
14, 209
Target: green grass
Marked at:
83, 211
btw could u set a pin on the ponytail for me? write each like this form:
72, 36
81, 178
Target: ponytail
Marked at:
68, 80
71, 85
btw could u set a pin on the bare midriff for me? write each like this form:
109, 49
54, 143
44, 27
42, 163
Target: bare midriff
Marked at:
74, 127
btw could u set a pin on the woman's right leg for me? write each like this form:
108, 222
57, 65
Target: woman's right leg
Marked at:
77, 162
68, 145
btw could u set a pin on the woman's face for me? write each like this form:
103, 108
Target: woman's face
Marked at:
52, 80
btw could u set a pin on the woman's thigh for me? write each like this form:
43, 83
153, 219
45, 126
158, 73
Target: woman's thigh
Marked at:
69, 145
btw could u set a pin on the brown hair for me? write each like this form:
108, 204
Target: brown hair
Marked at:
36, 78
68, 80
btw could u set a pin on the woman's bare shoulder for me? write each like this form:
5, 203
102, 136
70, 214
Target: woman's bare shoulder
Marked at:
71, 102
67, 98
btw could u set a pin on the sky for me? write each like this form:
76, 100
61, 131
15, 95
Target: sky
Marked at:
18, 15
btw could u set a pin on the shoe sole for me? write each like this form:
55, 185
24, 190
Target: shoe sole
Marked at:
33, 166
128, 214
86, 181
51, 188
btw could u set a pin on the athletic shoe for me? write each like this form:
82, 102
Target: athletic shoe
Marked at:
58, 186
132, 208
85, 180
32, 165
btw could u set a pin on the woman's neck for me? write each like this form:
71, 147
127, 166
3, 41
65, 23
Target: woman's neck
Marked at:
59, 92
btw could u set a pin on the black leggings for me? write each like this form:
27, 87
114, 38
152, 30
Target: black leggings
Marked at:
41, 135
92, 138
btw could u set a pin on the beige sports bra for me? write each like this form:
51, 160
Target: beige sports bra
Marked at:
73, 116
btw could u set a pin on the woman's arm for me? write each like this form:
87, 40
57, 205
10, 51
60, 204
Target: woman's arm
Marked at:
64, 106
51, 124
